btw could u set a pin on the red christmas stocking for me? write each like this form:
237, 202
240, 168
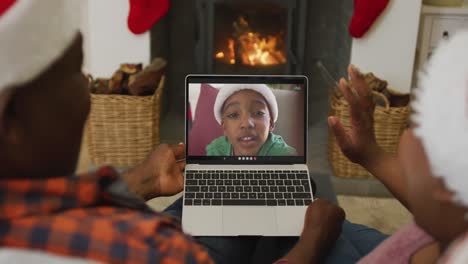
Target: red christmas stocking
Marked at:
5, 5
365, 13
144, 13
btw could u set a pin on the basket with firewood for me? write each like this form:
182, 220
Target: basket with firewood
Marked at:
123, 125
390, 120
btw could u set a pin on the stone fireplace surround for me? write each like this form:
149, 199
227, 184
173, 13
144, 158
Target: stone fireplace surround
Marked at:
325, 38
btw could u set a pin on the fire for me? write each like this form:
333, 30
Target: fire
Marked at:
251, 48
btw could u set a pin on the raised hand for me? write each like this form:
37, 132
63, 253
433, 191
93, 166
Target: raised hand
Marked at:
358, 144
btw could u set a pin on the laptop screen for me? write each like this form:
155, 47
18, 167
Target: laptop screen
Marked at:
236, 119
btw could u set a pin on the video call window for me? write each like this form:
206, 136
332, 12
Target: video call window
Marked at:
249, 120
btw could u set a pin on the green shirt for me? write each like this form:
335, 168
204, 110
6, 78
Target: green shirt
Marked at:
274, 146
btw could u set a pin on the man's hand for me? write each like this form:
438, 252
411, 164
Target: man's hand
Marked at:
359, 143
160, 174
322, 226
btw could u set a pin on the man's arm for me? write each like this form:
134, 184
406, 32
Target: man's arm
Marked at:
322, 226
138, 184
161, 174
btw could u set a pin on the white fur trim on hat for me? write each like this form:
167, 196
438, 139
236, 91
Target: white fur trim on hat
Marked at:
441, 113
35, 33
228, 89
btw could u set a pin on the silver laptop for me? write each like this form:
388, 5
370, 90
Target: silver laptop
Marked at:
246, 152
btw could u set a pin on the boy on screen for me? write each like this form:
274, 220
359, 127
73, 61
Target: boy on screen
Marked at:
247, 114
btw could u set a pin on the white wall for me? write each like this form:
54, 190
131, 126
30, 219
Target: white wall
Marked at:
388, 49
107, 40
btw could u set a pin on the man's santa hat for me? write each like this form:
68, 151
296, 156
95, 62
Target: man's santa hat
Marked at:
229, 89
441, 114
34, 34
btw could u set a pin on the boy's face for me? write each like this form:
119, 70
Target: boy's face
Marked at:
246, 122
428, 198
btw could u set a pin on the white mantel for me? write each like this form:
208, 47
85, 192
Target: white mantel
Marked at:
389, 48
107, 40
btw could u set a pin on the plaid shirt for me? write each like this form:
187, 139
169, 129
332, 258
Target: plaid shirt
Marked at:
87, 216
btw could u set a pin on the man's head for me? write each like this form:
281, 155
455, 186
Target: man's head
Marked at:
247, 114
43, 96
433, 153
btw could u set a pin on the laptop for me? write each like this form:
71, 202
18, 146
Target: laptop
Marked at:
246, 153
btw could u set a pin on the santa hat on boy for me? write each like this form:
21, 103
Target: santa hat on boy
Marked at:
441, 114
34, 33
229, 89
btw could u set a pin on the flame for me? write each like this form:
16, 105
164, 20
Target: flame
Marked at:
232, 54
251, 47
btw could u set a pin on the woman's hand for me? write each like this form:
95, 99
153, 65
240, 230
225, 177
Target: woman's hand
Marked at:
161, 174
358, 144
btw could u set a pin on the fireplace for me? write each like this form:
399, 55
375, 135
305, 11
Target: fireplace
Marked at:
193, 33
250, 37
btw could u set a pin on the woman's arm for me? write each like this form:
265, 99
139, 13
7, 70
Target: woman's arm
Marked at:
387, 169
359, 144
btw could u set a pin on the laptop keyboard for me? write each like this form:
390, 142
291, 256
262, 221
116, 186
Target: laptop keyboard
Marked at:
242, 187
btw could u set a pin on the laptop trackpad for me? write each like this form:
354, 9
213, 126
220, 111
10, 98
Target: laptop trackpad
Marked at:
249, 220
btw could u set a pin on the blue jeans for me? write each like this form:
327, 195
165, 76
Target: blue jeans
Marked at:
355, 242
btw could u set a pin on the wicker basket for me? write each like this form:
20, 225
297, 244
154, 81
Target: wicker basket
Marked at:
389, 124
123, 129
